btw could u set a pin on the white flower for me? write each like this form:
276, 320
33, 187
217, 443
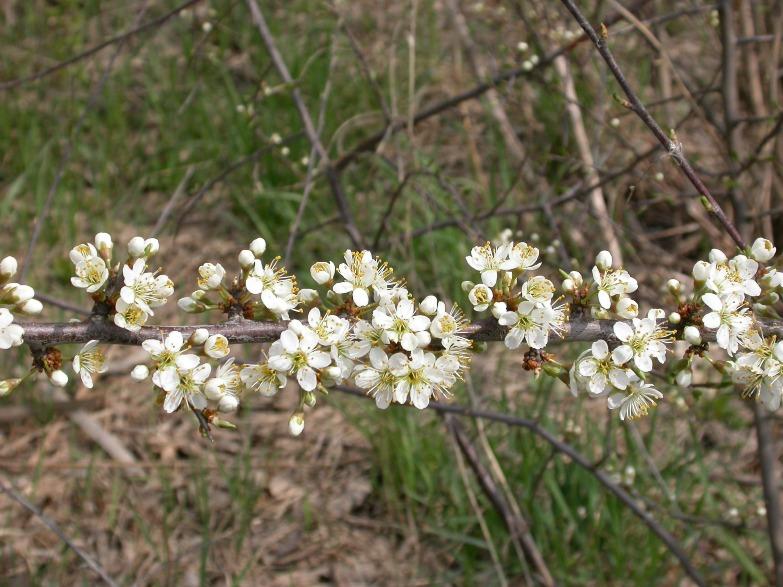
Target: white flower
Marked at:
637, 399
81, 253
263, 379
480, 297
538, 289
532, 322
734, 277
190, 387
402, 325
91, 274
762, 250
429, 305
170, 359
143, 288
10, 334
488, 260
645, 341
274, 285
600, 371
360, 272
627, 308
729, 317
377, 378
322, 272
89, 361
521, 256
216, 346
139, 247
612, 282
329, 328
448, 326
104, 244
417, 377
295, 352
225, 387
210, 276
129, 316
760, 370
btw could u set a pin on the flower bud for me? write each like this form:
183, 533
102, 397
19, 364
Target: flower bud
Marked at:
717, 256
228, 403
429, 305
656, 314
296, 424
199, 336
701, 271
190, 305
151, 246
7, 386
577, 278
199, 294
309, 399
58, 378
603, 260
675, 318
762, 250
258, 246
467, 286
140, 372
31, 307
691, 335
674, 286
627, 308
8, 267
772, 298
216, 346
246, 259
568, 285
322, 272
760, 309
213, 390
498, 309
136, 247
308, 296
104, 245
684, 378
19, 293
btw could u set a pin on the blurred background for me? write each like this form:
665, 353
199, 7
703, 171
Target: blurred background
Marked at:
448, 122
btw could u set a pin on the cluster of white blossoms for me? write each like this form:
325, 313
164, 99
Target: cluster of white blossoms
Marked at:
127, 290
364, 327
277, 291
527, 308
17, 298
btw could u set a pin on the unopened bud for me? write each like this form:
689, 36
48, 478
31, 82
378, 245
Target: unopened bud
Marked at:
199, 336
467, 286
31, 307
190, 305
684, 378
8, 385
58, 378
140, 372
308, 296
691, 335
246, 259
429, 305
762, 250
8, 267
701, 271
576, 277
228, 403
717, 256
258, 246
309, 399
603, 260
17, 294
104, 245
296, 424
674, 286
675, 318
322, 272
136, 247
568, 285
151, 247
